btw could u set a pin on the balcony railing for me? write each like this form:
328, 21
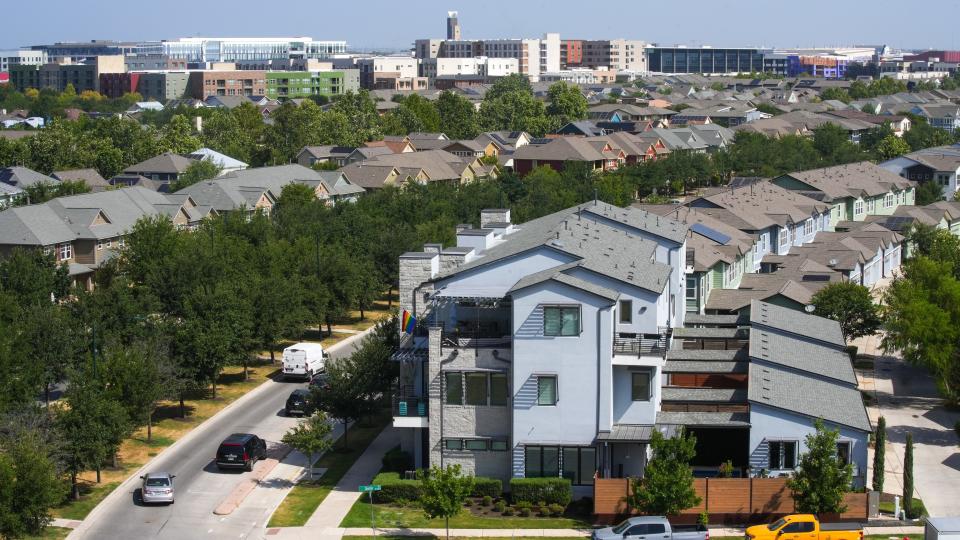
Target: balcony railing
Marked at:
641, 345
411, 407
473, 335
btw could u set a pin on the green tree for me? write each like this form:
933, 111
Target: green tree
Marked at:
515, 82
33, 277
139, 376
922, 321
667, 484
821, 479
515, 111
458, 118
879, 454
927, 192
29, 486
424, 110
565, 103
891, 147
908, 508
851, 305
311, 437
838, 94
343, 398
48, 336
198, 171
443, 492
178, 136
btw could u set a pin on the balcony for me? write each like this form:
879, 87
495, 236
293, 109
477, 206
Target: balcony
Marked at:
475, 334
641, 344
410, 412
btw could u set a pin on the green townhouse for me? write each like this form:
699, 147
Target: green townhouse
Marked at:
718, 254
301, 84
853, 191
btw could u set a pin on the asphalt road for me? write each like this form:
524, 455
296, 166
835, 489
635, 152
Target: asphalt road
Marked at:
199, 486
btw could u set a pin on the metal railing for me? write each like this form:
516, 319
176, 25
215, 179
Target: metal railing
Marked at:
415, 407
641, 345
472, 334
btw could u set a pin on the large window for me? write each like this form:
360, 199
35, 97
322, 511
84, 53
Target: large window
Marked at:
691, 290
626, 311
808, 227
783, 454
857, 207
561, 320
498, 389
843, 452
888, 200
547, 390
476, 388
640, 385
65, 251
578, 464
454, 389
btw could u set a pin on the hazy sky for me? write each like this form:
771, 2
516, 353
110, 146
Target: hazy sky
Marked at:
395, 24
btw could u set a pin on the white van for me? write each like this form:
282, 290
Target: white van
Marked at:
303, 360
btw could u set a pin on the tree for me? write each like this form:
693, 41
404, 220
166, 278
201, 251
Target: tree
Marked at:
343, 397
879, 454
515, 111
33, 277
821, 478
48, 337
922, 321
908, 478
443, 491
851, 305
892, 146
178, 136
927, 193
311, 436
458, 118
565, 103
29, 486
139, 376
667, 484
198, 171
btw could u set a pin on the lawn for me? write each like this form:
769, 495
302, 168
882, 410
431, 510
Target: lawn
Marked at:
305, 497
167, 429
887, 506
391, 516
51, 533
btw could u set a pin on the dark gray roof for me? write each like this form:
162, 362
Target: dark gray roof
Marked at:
710, 395
696, 318
707, 355
711, 333
802, 355
636, 432
712, 419
23, 177
695, 366
795, 322
166, 163
556, 274
809, 396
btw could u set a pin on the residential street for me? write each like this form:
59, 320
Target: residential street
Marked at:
200, 487
907, 397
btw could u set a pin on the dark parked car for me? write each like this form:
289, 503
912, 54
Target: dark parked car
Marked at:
299, 402
240, 450
320, 381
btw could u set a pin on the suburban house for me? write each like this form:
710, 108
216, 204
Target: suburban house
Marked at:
940, 164
557, 347
628, 112
600, 154
166, 167
226, 163
945, 116
90, 177
22, 177
853, 191
420, 167
83, 231
311, 155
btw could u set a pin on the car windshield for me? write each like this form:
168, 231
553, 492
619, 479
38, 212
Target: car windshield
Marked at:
776, 524
157, 482
619, 529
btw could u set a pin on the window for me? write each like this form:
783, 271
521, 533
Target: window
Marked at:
499, 445
691, 290
843, 452
453, 444
498, 389
475, 444
798, 527
732, 271
888, 200
808, 227
454, 389
871, 206
99, 245
476, 388
547, 390
640, 386
578, 464
783, 454
857, 207
65, 251
561, 321
784, 237
626, 311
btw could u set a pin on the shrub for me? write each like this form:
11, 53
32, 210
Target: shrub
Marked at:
500, 506
556, 510
395, 489
703, 519
507, 511
547, 490
544, 511
468, 502
396, 460
524, 512
487, 487
487, 500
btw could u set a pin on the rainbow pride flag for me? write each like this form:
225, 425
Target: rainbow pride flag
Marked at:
408, 322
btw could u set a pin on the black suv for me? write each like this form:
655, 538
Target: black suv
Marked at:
240, 450
299, 402
320, 381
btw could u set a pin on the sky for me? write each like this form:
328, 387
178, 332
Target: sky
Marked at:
389, 24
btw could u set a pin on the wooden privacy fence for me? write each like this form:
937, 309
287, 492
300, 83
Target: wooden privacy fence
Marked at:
727, 500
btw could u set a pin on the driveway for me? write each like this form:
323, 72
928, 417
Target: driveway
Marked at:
200, 487
907, 397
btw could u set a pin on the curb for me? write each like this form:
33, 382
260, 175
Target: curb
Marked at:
118, 491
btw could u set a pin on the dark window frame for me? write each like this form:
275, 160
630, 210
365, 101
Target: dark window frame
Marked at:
563, 309
556, 390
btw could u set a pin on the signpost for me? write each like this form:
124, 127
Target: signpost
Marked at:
370, 489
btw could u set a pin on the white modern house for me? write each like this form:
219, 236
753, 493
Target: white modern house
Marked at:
940, 164
557, 347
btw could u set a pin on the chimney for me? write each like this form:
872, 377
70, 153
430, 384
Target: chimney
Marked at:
463, 227
494, 215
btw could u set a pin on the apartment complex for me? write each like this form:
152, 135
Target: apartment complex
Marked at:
613, 54
204, 84
533, 56
300, 84
21, 57
85, 76
221, 49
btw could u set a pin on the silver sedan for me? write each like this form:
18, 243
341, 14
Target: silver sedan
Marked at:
157, 488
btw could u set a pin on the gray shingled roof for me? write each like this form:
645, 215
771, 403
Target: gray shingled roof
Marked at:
704, 395
556, 274
23, 177
710, 333
801, 355
809, 396
712, 419
795, 322
707, 355
166, 163
696, 318
697, 366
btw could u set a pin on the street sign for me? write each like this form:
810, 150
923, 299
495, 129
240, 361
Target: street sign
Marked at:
364, 489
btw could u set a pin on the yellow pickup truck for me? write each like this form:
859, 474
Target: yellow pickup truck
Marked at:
804, 527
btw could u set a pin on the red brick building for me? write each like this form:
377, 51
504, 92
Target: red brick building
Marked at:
204, 84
